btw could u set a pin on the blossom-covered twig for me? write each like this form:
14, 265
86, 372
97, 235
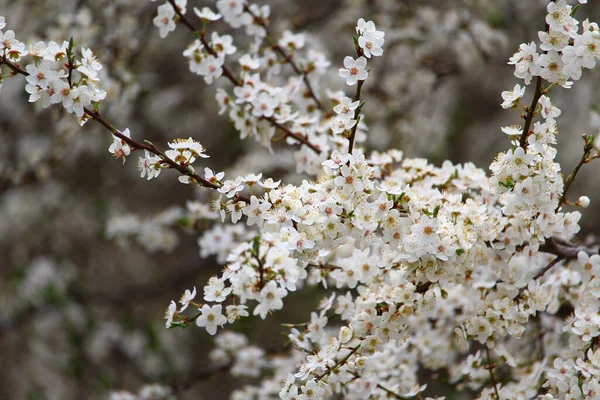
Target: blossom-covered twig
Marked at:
227, 72
150, 147
339, 363
287, 57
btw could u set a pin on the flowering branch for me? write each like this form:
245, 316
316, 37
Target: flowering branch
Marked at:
227, 72
184, 170
287, 57
201, 35
409, 243
95, 115
297, 137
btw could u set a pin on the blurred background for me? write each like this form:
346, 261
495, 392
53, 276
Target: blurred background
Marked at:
91, 255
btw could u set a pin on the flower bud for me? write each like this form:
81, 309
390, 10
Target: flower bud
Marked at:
583, 202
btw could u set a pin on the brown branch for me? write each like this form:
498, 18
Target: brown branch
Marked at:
324, 266
70, 59
297, 137
356, 117
184, 19
14, 67
564, 249
183, 169
229, 75
341, 362
200, 35
287, 57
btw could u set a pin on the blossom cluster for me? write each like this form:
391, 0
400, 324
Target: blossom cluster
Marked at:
566, 50
56, 77
442, 268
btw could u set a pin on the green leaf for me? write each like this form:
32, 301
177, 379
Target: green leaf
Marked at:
575, 8
255, 245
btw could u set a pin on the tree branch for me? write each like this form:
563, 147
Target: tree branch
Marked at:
563, 248
531, 113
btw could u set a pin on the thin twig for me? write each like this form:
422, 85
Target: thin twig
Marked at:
297, 137
339, 363
541, 273
356, 117
491, 371
587, 149
185, 170
390, 392
531, 113
359, 84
